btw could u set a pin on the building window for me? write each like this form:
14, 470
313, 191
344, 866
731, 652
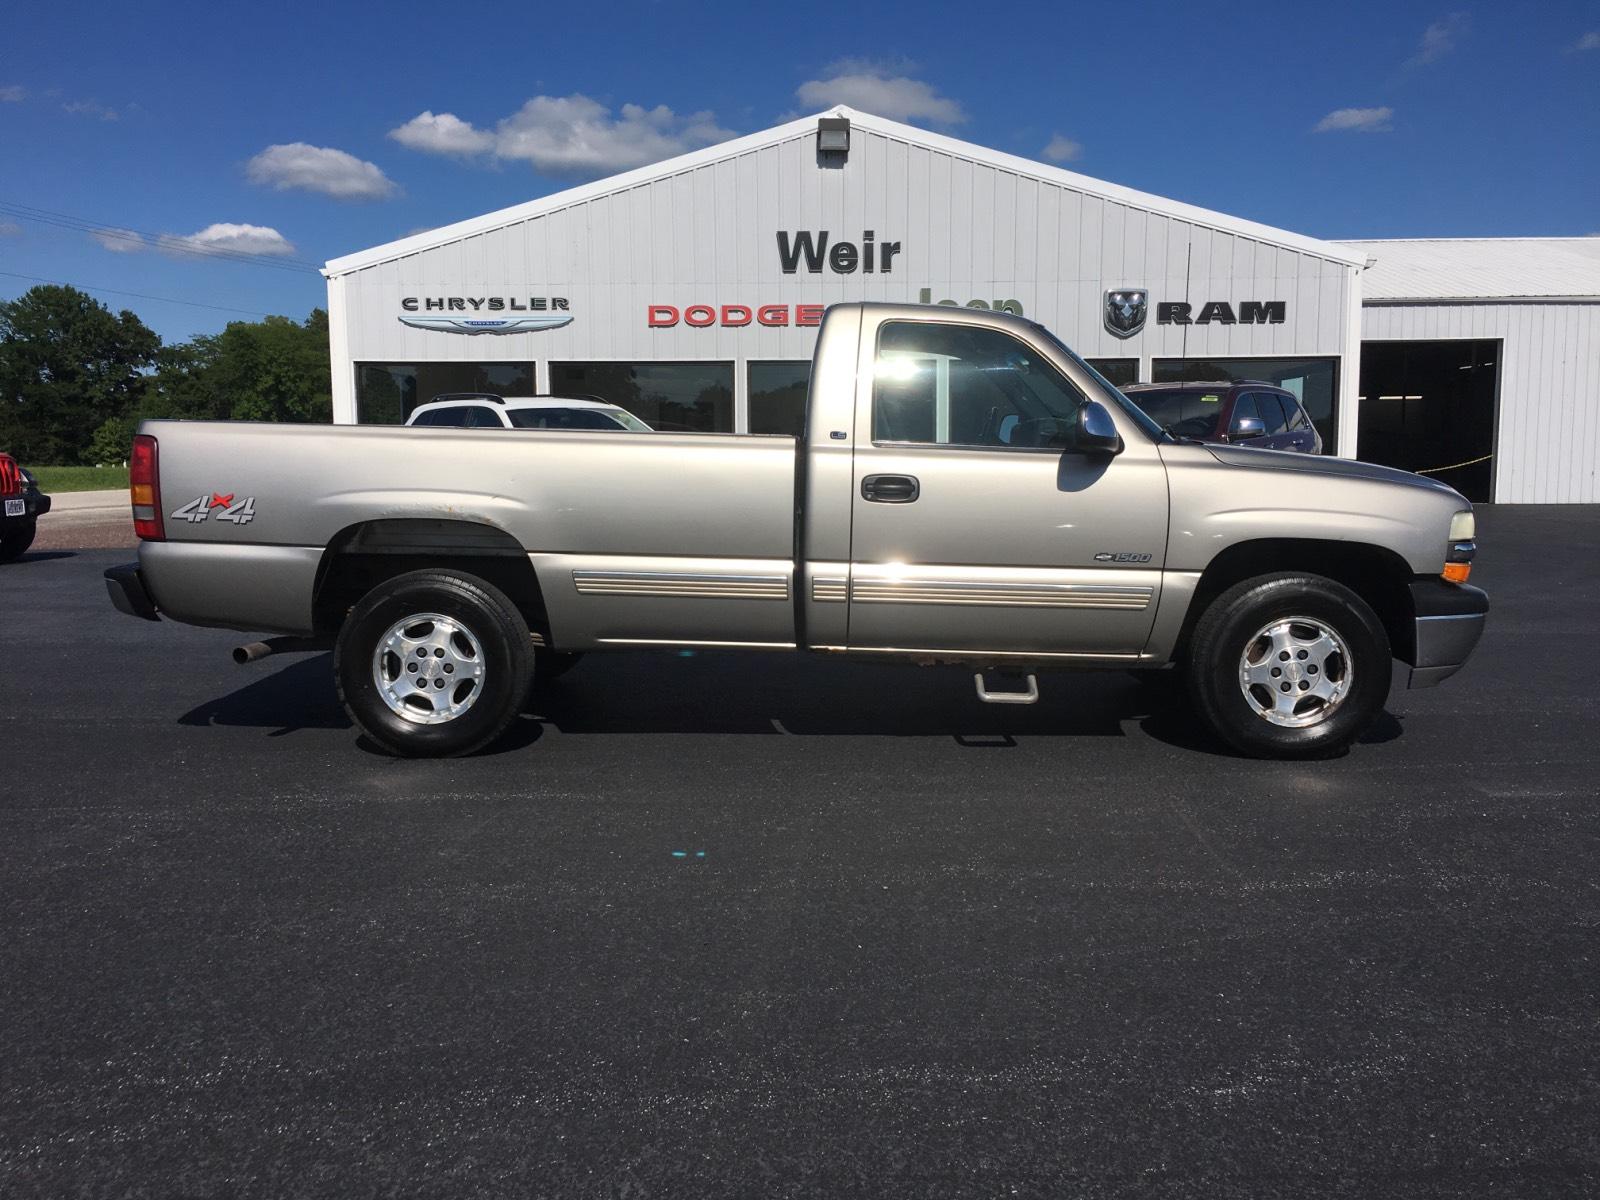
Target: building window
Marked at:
681, 397
778, 397
1314, 380
387, 392
1119, 372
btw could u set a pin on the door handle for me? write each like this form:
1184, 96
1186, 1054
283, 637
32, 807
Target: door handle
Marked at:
890, 489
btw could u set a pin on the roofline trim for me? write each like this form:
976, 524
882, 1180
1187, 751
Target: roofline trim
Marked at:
804, 126
1390, 301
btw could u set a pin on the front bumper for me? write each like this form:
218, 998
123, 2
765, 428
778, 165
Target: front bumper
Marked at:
1449, 622
128, 593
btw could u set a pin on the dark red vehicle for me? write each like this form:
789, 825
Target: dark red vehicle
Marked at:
21, 506
1247, 413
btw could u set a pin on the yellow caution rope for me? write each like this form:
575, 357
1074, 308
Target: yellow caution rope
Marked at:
1469, 463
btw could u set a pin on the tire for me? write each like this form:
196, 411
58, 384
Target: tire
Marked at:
1302, 646
15, 541
552, 664
417, 705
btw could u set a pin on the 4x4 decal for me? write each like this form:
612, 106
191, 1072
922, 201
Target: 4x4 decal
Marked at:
240, 512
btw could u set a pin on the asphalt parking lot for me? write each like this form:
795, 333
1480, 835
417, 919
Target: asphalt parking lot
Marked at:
723, 926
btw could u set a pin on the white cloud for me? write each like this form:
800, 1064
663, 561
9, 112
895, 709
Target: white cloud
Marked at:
442, 133
319, 169
119, 241
10, 229
13, 93
568, 135
1356, 120
224, 237
1589, 41
879, 89
90, 108
1061, 149
1440, 38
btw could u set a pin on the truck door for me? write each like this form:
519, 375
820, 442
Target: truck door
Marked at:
972, 528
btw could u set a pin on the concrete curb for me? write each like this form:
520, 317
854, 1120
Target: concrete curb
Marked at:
64, 502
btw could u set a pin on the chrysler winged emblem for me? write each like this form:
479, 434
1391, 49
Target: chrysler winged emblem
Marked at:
1126, 309
475, 325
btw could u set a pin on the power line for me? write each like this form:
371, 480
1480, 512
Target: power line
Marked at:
249, 312
141, 238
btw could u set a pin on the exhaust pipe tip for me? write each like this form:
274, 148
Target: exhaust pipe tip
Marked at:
251, 652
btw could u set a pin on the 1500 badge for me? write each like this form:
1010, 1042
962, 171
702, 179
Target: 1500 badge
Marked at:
1121, 556
226, 507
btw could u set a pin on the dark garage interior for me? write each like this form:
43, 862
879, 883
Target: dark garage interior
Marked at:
1430, 407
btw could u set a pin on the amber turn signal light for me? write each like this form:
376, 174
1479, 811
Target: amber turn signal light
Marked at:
1456, 572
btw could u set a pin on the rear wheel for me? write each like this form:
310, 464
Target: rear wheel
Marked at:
17, 538
433, 663
1289, 666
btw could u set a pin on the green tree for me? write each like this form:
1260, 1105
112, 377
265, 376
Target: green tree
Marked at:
67, 366
271, 370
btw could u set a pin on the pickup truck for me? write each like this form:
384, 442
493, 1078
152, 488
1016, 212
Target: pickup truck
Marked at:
966, 490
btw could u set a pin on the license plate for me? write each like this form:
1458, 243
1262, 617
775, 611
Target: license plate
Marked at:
16, 508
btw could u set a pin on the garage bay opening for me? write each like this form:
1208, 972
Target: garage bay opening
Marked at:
1430, 407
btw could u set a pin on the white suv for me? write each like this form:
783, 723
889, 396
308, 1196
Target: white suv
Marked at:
481, 410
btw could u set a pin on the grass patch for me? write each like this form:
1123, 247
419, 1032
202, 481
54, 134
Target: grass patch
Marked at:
80, 479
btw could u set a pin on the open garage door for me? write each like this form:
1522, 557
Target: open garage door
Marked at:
1430, 407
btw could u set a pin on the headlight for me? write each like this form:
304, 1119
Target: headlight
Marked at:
1463, 527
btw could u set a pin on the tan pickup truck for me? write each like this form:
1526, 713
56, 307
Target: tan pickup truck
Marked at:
967, 490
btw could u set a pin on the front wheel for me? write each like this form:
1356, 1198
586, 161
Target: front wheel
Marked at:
1289, 666
433, 664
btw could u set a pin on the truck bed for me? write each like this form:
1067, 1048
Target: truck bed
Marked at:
597, 507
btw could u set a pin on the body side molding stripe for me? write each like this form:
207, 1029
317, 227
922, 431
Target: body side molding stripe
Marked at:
678, 583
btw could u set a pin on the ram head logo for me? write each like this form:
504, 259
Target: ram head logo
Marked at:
1126, 309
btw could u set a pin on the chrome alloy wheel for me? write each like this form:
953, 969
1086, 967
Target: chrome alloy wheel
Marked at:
428, 668
1295, 672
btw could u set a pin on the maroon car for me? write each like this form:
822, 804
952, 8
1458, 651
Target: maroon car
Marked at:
1247, 413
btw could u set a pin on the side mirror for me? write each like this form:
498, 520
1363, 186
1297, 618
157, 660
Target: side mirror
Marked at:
1247, 427
1097, 432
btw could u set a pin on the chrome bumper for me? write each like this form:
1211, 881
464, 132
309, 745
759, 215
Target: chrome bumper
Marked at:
1449, 622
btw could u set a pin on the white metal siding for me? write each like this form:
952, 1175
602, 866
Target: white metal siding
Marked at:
1547, 441
968, 230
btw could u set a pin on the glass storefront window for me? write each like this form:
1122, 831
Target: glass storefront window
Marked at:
387, 392
1314, 380
674, 397
1119, 372
778, 397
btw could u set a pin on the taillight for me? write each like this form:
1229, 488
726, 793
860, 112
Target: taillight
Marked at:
144, 488
10, 475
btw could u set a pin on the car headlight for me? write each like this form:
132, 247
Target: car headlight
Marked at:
1463, 546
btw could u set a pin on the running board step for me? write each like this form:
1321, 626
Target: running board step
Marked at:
1031, 696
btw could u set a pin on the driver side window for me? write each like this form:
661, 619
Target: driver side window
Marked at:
962, 385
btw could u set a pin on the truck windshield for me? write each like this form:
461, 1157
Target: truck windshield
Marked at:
1189, 412
1134, 412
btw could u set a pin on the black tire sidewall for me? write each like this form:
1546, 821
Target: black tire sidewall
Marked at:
482, 608
1235, 617
16, 539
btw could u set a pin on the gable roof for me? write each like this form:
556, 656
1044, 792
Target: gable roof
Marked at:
805, 127
1433, 269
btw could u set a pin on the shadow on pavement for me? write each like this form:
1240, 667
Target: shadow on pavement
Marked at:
717, 693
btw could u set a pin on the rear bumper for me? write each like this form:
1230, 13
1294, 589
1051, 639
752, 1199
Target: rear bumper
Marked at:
1449, 622
128, 594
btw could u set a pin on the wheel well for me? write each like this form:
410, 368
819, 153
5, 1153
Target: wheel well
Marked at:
363, 556
1379, 576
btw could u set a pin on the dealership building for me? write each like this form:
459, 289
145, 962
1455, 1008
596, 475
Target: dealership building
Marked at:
690, 291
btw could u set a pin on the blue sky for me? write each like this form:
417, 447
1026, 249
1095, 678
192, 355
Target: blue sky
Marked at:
231, 143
